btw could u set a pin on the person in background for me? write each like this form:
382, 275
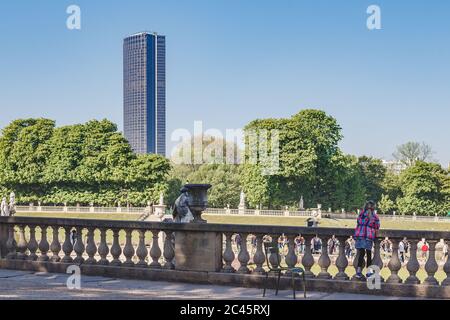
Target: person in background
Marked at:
445, 251
407, 245
386, 247
366, 231
238, 241
401, 250
424, 249
316, 244
298, 244
302, 245
73, 237
348, 247
352, 247
253, 243
332, 244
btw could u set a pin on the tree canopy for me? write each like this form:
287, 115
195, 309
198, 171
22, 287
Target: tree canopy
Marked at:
93, 163
81, 163
411, 152
310, 164
424, 189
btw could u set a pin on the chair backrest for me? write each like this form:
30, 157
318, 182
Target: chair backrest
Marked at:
270, 249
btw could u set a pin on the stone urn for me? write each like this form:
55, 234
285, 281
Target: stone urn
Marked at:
198, 200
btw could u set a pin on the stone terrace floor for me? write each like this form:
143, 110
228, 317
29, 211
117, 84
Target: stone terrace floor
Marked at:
31, 285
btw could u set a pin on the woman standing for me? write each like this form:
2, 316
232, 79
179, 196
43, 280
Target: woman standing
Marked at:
367, 227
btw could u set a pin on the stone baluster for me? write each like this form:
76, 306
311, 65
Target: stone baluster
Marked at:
142, 251
169, 252
308, 258
103, 249
274, 256
11, 244
32, 244
394, 264
341, 261
155, 251
55, 246
413, 265
377, 261
67, 246
44, 245
128, 249
79, 247
116, 250
431, 267
244, 256
228, 254
91, 248
22, 245
355, 264
446, 281
291, 258
324, 262
259, 258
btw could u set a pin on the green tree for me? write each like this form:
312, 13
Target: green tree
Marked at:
218, 167
24, 153
308, 146
446, 192
386, 205
83, 163
392, 185
345, 188
225, 181
423, 187
373, 173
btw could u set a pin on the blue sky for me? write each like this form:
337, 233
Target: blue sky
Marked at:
231, 61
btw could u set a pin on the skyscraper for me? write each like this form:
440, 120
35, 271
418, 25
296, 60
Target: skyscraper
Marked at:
144, 92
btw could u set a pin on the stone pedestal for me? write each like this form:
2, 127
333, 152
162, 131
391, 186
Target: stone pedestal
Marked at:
198, 251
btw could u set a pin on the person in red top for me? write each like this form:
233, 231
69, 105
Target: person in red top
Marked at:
366, 231
424, 250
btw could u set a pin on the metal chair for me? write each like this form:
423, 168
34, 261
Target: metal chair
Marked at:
272, 248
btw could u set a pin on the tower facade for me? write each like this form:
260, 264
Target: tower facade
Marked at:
144, 92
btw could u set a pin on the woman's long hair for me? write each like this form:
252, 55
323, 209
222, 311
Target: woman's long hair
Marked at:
369, 203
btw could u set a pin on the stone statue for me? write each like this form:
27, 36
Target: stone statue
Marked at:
161, 199
242, 201
181, 211
301, 204
4, 208
12, 204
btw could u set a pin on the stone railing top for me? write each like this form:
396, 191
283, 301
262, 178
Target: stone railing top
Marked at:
210, 227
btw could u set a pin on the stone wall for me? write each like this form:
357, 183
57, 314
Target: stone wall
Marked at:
133, 250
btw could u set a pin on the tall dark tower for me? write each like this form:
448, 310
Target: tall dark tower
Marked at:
144, 92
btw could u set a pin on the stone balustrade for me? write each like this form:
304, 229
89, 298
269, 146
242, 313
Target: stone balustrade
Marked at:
135, 250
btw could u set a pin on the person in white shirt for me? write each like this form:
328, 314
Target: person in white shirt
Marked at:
401, 250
